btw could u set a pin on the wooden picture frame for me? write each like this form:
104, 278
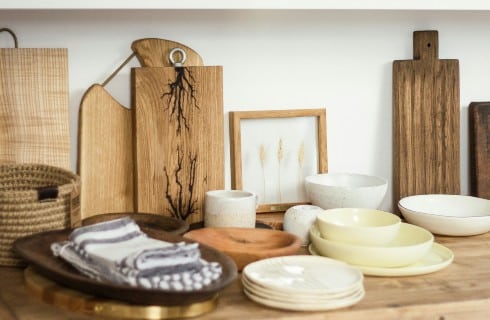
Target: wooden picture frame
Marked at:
273, 145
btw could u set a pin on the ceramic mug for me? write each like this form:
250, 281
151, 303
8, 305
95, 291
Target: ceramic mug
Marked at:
299, 219
230, 208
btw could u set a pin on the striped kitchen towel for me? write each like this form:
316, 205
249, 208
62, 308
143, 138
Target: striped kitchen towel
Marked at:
119, 252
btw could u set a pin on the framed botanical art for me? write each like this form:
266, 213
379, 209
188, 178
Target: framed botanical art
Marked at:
273, 151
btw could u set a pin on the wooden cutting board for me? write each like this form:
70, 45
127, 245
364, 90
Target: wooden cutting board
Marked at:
479, 136
34, 107
153, 52
105, 146
425, 121
178, 138
105, 160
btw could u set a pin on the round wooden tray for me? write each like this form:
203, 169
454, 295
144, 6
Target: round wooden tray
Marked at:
150, 220
57, 295
36, 249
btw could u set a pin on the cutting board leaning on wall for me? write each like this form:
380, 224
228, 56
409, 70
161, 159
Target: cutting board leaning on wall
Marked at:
479, 125
106, 159
426, 115
178, 136
34, 108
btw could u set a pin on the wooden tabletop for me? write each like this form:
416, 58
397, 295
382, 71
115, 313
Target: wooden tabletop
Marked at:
461, 291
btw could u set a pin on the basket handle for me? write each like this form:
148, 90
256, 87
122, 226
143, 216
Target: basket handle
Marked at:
16, 43
45, 194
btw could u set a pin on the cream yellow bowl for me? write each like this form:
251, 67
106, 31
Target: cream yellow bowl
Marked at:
410, 245
358, 226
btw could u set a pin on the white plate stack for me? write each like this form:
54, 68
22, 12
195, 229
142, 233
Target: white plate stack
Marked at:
303, 283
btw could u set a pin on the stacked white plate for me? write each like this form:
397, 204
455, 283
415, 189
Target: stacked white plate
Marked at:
303, 283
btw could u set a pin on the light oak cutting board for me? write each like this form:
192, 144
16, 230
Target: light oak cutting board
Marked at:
178, 138
105, 147
34, 108
425, 121
479, 134
105, 160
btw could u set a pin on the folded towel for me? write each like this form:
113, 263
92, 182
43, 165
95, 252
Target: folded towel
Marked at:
119, 252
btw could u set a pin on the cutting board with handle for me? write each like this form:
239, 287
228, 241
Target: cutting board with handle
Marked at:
105, 160
178, 136
105, 147
426, 117
34, 107
479, 136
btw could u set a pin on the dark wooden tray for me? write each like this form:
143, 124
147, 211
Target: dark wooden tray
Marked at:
36, 250
149, 220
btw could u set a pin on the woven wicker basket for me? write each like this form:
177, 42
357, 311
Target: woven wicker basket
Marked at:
33, 198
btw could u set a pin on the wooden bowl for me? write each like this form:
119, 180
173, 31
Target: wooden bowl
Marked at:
154, 221
245, 245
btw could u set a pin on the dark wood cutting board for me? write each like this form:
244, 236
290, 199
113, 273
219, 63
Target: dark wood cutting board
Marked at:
426, 113
479, 136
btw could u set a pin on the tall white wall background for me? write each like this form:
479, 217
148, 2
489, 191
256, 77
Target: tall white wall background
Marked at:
278, 59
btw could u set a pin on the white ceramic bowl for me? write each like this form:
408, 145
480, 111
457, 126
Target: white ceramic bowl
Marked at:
358, 226
345, 190
299, 219
452, 215
411, 244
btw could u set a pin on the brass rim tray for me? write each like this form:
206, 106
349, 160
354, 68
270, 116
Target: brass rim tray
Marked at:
149, 220
35, 249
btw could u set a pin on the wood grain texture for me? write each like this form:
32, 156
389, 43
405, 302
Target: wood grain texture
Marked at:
179, 143
425, 121
105, 146
105, 159
34, 109
479, 136
152, 52
461, 291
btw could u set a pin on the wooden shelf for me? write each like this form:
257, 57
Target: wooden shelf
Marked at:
453, 5
461, 291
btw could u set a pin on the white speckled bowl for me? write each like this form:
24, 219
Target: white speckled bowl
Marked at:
299, 219
346, 190
452, 215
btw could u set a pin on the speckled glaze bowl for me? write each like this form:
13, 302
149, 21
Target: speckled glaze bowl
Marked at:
346, 190
299, 219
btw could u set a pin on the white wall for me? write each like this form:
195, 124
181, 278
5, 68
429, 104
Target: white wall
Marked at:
341, 60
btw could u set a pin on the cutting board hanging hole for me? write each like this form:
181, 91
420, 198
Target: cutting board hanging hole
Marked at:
181, 56
425, 45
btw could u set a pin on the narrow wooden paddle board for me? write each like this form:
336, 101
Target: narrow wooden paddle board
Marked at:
479, 134
426, 115
105, 160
